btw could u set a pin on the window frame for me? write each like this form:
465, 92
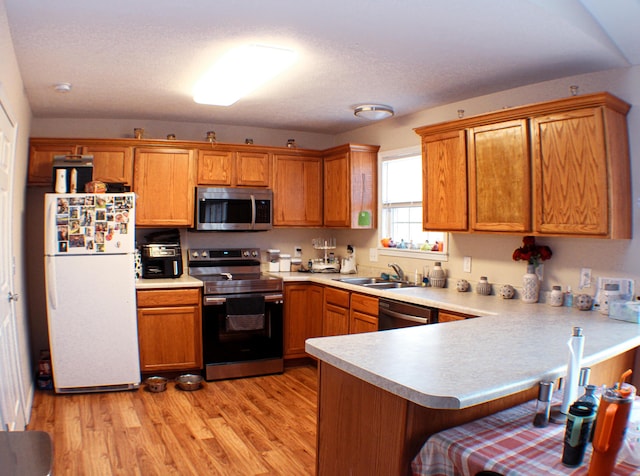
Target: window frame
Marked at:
424, 255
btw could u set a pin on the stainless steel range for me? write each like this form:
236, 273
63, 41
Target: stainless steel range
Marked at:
242, 326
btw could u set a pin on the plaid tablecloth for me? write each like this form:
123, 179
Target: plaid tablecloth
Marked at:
507, 443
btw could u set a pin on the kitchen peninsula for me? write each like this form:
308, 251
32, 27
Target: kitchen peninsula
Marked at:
382, 394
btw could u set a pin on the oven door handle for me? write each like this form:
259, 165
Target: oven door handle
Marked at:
405, 317
217, 301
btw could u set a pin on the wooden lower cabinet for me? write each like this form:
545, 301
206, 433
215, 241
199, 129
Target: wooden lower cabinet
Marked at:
169, 330
449, 316
363, 314
336, 312
302, 317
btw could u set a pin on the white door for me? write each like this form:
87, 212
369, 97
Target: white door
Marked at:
11, 394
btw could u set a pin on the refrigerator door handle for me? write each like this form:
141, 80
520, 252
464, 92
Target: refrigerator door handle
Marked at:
52, 292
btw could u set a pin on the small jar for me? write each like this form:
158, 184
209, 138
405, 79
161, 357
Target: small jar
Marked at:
556, 296
483, 287
611, 293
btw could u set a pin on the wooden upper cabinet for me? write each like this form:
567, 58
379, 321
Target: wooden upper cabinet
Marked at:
164, 181
253, 169
215, 167
582, 173
444, 186
500, 177
228, 168
573, 180
351, 186
112, 162
337, 190
297, 191
41, 154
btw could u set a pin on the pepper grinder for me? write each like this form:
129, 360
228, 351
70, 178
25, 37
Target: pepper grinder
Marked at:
543, 404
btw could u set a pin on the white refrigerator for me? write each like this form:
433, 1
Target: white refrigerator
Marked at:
90, 291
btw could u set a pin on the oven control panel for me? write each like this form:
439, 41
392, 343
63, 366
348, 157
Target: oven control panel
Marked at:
223, 254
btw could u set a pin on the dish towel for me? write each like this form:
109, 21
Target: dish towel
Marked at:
245, 313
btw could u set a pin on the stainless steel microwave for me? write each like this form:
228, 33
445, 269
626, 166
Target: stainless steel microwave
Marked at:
233, 209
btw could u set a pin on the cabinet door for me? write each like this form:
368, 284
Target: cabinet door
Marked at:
170, 338
500, 177
253, 169
215, 167
302, 317
41, 161
335, 320
164, 181
297, 191
444, 175
570, 173
361, 322
363, 314
337, 191
449, 316
111, 163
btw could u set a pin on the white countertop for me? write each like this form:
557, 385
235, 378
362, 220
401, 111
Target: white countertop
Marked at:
464, 363
184, 281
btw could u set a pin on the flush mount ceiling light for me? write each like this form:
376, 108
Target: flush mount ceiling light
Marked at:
239, 72
62, 87
373, 112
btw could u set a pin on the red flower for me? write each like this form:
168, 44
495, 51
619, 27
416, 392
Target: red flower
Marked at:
531, 252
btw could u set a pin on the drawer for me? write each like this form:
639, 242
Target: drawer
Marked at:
168, 297
364, 304
337, 297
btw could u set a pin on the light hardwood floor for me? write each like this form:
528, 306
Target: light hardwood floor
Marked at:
254, 426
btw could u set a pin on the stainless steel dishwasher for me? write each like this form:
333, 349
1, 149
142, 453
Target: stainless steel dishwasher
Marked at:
395, 314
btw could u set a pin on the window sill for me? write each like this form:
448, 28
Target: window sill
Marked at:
425, 255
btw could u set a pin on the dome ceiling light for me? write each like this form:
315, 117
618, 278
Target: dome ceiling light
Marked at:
62, 87
373, 112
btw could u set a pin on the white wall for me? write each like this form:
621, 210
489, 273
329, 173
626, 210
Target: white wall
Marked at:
12, 85
491, 255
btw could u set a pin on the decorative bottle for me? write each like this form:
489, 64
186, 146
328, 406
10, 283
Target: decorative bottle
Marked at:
483, 287
568, 297
530, 285
437, 276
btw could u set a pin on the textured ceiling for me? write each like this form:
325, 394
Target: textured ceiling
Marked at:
139, 59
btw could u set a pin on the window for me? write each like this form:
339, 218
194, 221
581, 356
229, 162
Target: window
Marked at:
400, 230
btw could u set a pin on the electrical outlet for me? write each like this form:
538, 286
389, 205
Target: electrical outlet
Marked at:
297, 252
585, 278
373, 254
466, 264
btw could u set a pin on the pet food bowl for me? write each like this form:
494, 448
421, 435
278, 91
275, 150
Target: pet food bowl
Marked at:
189, 382
156, 384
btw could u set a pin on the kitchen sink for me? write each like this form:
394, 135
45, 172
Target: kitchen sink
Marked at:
362, 281
389, 285
376, 283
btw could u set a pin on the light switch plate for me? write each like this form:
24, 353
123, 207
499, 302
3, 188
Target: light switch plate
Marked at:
373, 254
585, 278
466, 264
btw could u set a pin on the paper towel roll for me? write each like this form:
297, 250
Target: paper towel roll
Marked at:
576, 347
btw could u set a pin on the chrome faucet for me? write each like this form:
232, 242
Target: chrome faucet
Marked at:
396, 267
